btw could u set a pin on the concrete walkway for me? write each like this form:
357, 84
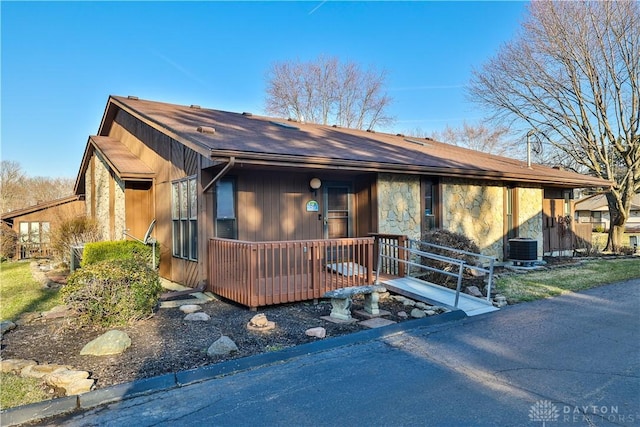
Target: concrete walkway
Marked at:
573, 360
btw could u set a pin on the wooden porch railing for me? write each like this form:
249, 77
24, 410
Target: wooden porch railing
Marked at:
392, 246
33, 250
257, 274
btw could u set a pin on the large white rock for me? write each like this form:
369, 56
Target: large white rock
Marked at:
6, 325
200, 316
416, 313
112, 342
222, 346
190, 308
318, 332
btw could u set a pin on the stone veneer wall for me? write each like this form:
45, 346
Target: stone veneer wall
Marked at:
399, 205
530, 215
102, 178
477, 211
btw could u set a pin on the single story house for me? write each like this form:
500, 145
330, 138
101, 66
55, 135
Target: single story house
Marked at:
242, 200
34, 224
595, 211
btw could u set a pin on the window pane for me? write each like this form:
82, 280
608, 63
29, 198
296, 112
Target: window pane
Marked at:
193, 199
193, 239
44, 232
428, 198
226, 228
184, 232
24, 231
338, 199
176, 238
175, 200
225, 200
184, 202
35, 232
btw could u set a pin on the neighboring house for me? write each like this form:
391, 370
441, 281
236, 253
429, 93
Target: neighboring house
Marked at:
595, 211
207, 176
34, 224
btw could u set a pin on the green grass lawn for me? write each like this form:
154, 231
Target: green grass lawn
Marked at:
20, 293
535, 285
18, 391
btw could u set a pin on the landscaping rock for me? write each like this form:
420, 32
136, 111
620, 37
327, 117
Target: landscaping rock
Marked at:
416, 313
422, 306
57, 312
15, 366
402, 314
430, 312
6, 325
197, 317
222, 346
40, 371
112, 342
259, 322
72, 382
499, 301
27, 318
473, 291
190, 308
318, 332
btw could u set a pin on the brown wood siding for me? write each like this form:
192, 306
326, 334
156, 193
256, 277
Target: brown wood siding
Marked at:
54, 215
272, 206
138, 208
170, 160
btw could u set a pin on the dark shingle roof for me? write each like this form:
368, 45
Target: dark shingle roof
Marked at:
252, 138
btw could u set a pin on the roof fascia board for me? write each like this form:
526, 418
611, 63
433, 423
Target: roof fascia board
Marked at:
40, 206
84, 163
322, 163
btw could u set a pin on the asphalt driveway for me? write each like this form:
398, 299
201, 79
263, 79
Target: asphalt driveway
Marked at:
570, 360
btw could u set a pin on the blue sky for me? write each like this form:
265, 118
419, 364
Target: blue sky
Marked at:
61, 60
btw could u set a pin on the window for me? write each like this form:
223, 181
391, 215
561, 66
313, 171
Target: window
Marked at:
184, 214
34, 232
226, 209
429, 205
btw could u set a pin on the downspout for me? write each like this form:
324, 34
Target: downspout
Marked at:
223, 172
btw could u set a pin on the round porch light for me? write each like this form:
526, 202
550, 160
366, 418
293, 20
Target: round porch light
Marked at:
315, 183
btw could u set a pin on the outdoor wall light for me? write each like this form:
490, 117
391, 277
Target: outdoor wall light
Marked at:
315, 183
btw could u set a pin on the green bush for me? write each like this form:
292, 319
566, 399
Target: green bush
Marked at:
120, 249
73, 232
112, 292
451, 240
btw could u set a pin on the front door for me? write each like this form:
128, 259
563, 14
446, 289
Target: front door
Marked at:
337, 211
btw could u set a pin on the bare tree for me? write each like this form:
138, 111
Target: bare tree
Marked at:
572, 77
20, 191
477, 137
326, 91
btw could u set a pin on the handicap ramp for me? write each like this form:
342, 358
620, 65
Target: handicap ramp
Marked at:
438, 295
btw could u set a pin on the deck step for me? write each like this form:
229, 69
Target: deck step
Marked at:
438, 295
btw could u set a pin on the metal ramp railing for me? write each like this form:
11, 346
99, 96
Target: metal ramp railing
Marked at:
412, 254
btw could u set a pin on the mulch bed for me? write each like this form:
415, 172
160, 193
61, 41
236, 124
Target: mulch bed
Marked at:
167, 343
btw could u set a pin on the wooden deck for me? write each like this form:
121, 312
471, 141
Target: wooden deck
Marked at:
258, 274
